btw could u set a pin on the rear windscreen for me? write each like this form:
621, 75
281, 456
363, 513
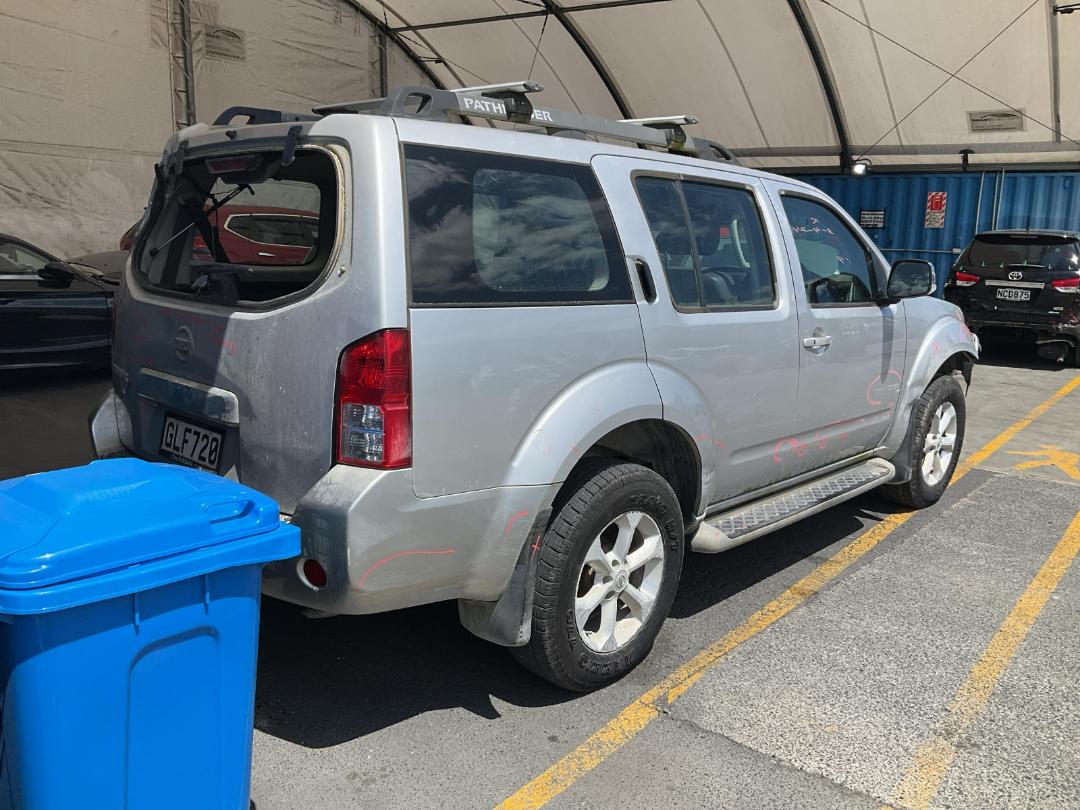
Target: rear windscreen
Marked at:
240, 228
1050, 252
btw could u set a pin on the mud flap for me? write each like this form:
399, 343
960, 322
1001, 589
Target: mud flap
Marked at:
508, 622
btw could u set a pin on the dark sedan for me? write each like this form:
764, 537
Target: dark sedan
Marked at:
52, 313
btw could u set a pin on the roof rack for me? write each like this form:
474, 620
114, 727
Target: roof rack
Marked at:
510, 102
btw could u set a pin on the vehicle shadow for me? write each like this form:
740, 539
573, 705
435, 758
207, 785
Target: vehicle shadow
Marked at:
1016, 354
323, 682
709, 579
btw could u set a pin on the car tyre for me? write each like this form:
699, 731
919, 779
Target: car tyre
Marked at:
941, 404
617, 538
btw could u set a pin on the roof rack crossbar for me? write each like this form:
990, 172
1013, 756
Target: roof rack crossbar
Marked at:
509, 101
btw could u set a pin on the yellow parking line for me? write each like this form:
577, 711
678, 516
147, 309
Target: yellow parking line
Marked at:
647, 707
995, 444
932, 761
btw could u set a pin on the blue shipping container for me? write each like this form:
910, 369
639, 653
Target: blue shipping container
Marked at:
975, 201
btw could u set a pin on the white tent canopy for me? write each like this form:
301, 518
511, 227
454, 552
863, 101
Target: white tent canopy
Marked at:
783, 82
91, 89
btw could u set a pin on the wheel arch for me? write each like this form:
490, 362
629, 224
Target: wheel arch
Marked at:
946, 349
661, 446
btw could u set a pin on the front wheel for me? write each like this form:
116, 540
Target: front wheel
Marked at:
608, 570
937, 436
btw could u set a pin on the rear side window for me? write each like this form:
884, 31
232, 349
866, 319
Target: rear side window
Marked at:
492, 229
711, 243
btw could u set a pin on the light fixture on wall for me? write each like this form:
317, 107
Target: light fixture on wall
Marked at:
965, 155
1067, 8
861, 167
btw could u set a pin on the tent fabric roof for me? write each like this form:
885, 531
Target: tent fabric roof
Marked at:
794, 83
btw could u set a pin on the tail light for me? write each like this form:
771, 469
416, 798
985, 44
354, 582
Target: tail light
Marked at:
1066, 285
372, 419
962, 279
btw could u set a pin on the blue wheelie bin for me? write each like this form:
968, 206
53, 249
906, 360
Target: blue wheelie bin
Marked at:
129, 620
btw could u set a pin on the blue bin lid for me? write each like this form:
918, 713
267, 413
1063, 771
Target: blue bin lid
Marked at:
87, 521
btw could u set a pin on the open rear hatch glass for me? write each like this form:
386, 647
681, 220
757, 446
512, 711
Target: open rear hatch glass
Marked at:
240, 229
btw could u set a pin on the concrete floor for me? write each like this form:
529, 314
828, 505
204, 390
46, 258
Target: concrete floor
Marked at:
826, 708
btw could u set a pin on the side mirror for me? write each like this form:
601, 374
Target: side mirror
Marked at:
57, 272
911, 278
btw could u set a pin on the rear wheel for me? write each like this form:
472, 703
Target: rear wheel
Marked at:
608, 570
937, 437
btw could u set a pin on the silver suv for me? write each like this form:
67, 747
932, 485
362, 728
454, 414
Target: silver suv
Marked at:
521, 369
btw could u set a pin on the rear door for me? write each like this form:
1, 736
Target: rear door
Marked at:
721, 331
851, 347
230, 364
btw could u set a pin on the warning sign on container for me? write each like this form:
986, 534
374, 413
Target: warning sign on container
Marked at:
935, 209
872, 218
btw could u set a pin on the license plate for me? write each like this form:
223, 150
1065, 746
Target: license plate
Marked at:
1010, 294
190, 444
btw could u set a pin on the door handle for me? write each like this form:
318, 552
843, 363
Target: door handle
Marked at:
817, 342
645, 277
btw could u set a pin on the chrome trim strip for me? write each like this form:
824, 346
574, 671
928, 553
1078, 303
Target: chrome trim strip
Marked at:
1030, 285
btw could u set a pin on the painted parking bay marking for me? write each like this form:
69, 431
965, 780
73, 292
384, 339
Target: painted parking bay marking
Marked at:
646, 708
934, 757
1068, 463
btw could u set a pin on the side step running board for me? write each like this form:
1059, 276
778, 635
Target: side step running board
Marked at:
729, 529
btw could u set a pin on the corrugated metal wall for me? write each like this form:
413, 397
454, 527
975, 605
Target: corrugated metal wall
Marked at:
976, 201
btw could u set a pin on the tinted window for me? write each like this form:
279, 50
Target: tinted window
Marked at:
836, 267
1000, 251
489, 229
718, 256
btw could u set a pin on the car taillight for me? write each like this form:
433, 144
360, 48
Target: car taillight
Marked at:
199, 251
962, 279
1066, 285
372, 420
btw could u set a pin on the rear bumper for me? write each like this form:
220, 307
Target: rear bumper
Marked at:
1044, 332
110, 427
383, 548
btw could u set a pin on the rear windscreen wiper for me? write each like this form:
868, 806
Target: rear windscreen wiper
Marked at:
1026, 264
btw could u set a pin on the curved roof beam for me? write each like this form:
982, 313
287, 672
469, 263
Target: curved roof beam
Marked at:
393, 35
828, 83
597, 63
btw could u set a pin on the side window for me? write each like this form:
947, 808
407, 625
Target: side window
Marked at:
718, 258
663, 208
17, 259
730, 241
493, 229
836, 266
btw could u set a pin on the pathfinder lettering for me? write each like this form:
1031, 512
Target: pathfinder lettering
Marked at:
491, 106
